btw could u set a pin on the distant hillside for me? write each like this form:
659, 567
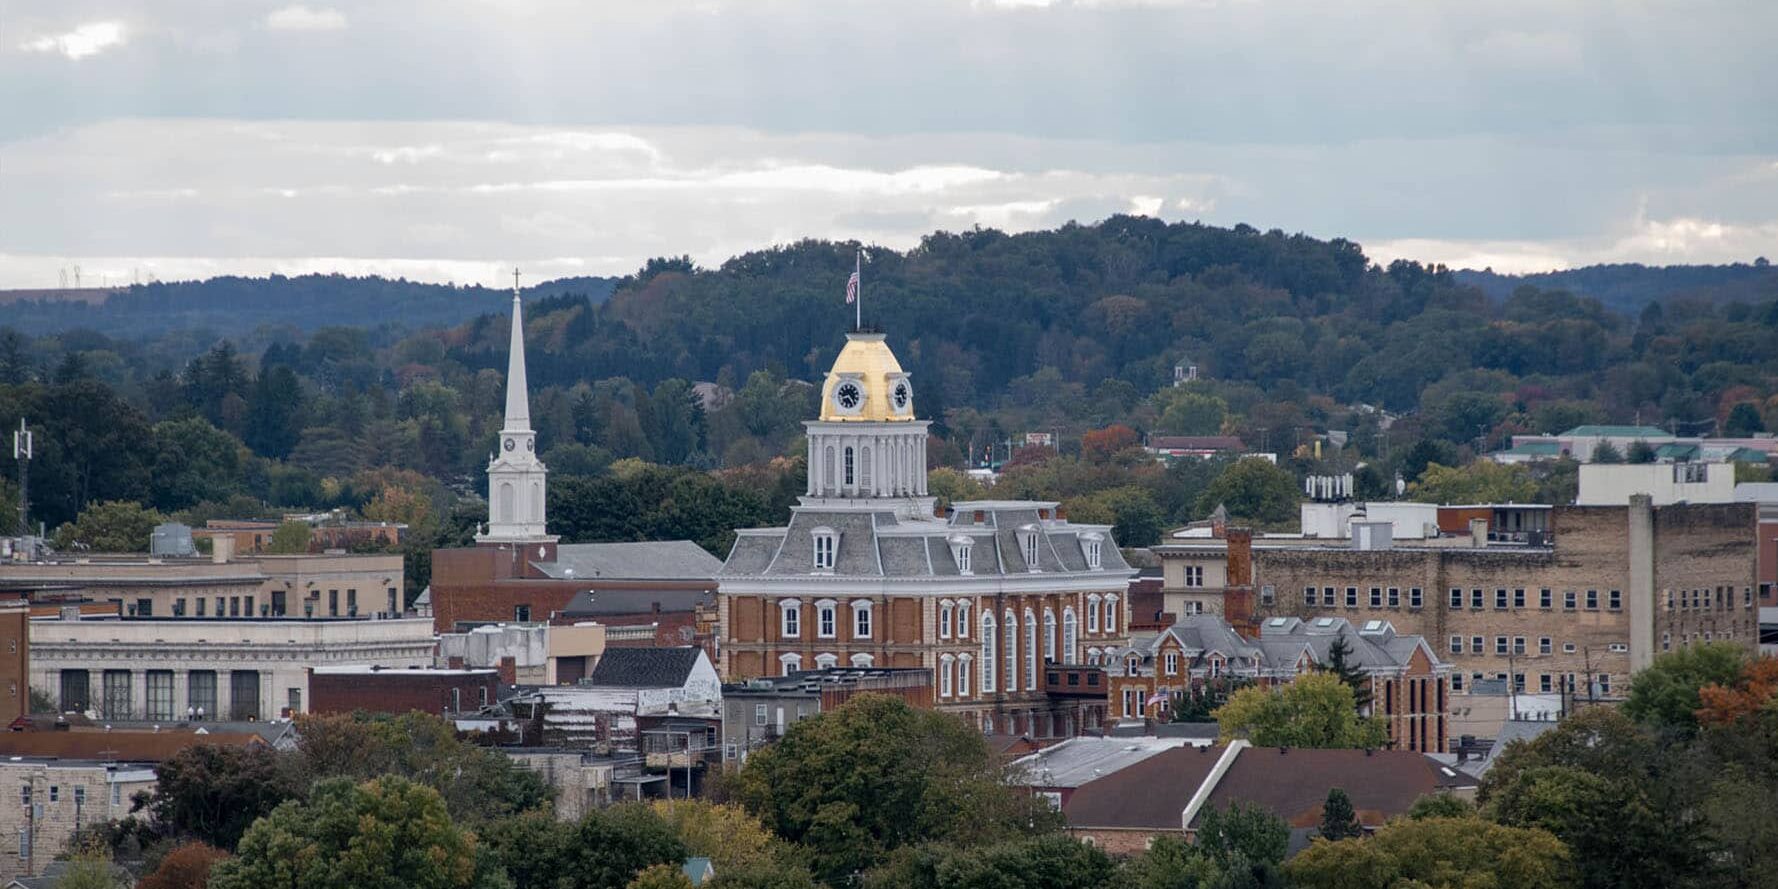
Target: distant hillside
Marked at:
232, 306
1627, 287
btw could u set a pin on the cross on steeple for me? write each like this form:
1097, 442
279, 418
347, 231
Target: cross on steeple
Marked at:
515, 281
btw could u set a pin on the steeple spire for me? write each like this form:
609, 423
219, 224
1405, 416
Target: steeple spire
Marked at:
518, 403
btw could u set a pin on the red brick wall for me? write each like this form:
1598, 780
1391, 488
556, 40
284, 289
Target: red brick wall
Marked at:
1119, 842
398, 691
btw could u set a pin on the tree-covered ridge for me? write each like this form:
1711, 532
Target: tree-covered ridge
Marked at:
1628, 287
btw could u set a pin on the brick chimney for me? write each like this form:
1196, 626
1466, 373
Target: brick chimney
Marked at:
509, 670
1237, 596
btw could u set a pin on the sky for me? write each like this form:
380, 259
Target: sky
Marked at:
450, 140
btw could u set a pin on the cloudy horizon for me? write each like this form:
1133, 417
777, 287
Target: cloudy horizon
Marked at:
448, 141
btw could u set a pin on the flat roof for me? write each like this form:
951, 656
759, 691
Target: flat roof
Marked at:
379, 670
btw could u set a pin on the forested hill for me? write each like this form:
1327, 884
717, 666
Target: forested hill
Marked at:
232, 306
1627, 287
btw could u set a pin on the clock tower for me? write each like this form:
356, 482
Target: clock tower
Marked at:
515, 474
867, 448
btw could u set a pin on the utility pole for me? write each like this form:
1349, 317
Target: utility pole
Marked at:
22, 452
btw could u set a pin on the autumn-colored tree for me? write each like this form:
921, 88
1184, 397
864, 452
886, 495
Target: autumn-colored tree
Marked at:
1754, 690
186, 867
661, 876
1100, 445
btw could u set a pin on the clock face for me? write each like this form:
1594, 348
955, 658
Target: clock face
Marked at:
903, 395
848, 395
510, 444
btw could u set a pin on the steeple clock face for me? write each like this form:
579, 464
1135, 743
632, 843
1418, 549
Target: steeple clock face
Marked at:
902, 395
510, 444
848, 396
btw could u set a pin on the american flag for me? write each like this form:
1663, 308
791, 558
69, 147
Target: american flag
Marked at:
852, 282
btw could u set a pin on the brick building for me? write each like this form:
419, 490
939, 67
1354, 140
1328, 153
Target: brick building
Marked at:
15, 659
760, 710
56, 797
439, 691
864, 575
1598, 592
1408, 684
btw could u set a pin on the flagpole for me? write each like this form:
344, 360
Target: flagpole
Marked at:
858, 306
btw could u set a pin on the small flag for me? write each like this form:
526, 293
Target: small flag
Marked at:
1157, 698
852, 286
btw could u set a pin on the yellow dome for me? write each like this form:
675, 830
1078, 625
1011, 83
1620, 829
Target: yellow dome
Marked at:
866, 384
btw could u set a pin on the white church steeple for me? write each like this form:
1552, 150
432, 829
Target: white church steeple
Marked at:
515, 474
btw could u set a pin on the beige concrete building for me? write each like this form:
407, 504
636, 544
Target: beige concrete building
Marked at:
331, 585
1606, 590
163, 669
222, 585
56, 797
536, 654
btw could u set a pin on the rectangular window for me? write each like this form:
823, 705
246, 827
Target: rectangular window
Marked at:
1518, 598
250, 612
861, 623
521, 613
1327, 596
1568, 600
1614, 600
1395, 597
234, 606
144, 607
1475, 599
351, 603
759, 714
201, 603
1592, 600
116, 686
1194, 575
826, 625
791, 625
1415, 598
55, 793
1500, 645
1500, 600
962, 620
1456, 597
333, 603
160, 695
1309, 595
1475, 644
200, 690
1267, 594
394, 603
1518, 645
1456, 681
179, 607
1546, 645
944, 621
1605, 683
1351, 597
221, 607
1666, 641
1543, 683
1545, 598
1376, 597
293, 699
1456, 644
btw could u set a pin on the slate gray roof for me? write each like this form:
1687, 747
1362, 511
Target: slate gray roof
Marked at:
645, 667
652, 560
878, 544
1078, 760
598, 603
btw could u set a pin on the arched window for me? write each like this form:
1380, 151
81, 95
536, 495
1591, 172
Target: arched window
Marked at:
863, 660
504, 512
849, 467
965, 663
1093, 613
861, 619
963, 620
947, 666
1030, 650
1111, 614
826, 661
828, 476
826, 624
990, 656
1070, 636
864, 469
790, 618
537, 501
1011, 654
1049, 635
1028, 542
790, 663
1093, 656
945, 609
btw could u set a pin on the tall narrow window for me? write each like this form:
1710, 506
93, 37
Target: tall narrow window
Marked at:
946, 669
1111, 625
861, 621
964, 665
944, 619
851, 471
1093, 613
790, 618
1089, 544
990, 652
1049, 635
1011, 654
826, 546
790, 663
963, 620
1028, 541
1070, 636
1030, 650
963, 559
826, 624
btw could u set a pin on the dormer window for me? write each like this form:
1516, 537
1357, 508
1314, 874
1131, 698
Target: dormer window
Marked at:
961, 547
826, 546
1090, 547
1028, 543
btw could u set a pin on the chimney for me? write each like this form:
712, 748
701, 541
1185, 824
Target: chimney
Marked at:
1237, 595
509, 670
222, 548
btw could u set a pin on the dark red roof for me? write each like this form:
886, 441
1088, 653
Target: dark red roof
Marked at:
122, 746
1151, 794
1293, 783
1196, 443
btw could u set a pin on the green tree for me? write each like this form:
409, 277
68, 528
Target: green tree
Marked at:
214, 793
1436, 853
1184, 412
91, 869
289, 538
856, 783
389, 833
1242, 835
187, 866
1606, 452
1253, 489
1316, 710
1743, 421
1665, 694
605, 850
275, 413
1338, 820
1640, 452
193, 462
1052, 861
1136, 518
661, 876
1440, 805
1483, 481
112, 526
1339, 663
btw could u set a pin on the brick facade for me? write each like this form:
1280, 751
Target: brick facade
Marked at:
399, 691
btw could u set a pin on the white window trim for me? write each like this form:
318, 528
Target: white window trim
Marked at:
862, 612
1050, 652
826, 660
965, 664
827, 610
1030, 650
1093, 613
1070, 636
863, 660
946, 669
790, 611
1009, 630
1110, 623
824, 560
963, 620
945, 609
789, 663
990, 652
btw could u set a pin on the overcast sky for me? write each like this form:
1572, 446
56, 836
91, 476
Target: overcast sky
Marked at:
446, 139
